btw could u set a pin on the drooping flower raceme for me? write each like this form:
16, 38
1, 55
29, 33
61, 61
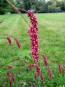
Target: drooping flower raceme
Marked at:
33, 35
60, 68
38, 71
50, 73
9, 40
31, 66
32, 84
17, 42
40, 75
45, 60
64, 68
11, 78
9, 67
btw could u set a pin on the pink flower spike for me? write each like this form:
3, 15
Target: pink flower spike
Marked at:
50, 73
42, 78
37, 69
8, 73
9, 67
32, 84
33, 35
10, 83
60, 68
45, 60
39, 74
17, 42
64, 68
9, 40
11, 78
30, 67
35, 75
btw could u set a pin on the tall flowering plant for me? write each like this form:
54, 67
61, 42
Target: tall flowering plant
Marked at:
38, 72
34, 46
33, 35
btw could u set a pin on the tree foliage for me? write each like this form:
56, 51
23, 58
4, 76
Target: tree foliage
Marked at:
5, 7
37, 5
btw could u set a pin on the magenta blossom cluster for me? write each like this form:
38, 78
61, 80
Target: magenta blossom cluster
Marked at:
60, 68
50, 73
17, 42
9, 67
40, 75
9, 40
15, 39
11, 78
32, 84
64, 68
45, 60
31, 66
38, 72
46, 64
33, 35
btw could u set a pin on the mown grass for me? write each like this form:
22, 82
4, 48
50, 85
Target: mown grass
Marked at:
51, 43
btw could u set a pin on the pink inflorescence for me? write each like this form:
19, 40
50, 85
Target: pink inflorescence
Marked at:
9, 40
17, 42
50, 73
40, 75
33, 35
31, 66
60, 68
9, 67
32, 84
45, 60
11, 78
64, 68
38, 71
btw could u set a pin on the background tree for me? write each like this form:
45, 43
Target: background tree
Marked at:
5, 7
62, 5
27, 4
52, 6
37, 5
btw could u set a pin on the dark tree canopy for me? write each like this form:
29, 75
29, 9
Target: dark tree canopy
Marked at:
27, 4
37, 5
3, 6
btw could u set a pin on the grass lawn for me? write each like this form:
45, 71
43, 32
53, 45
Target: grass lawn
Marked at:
51, 43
